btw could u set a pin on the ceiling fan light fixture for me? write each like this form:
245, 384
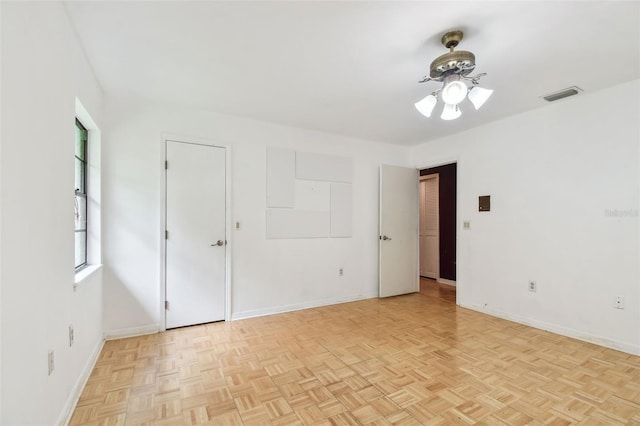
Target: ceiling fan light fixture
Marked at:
453, 70
426, 105
454, 91
479, 95
450, 112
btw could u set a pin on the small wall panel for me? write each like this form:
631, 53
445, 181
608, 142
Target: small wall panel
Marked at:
341, 210
322, 167
281, 165
289, 223
312, 195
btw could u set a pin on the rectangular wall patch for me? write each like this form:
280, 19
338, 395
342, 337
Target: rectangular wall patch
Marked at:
281, 165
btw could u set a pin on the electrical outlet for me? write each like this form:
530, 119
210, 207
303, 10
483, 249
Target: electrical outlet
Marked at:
618, 302
532, 286
466, 224
70, 335
340, 272
51, 361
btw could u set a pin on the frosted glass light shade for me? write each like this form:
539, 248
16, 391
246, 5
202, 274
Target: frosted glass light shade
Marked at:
454, 92
426, 105
450, 112
478, 96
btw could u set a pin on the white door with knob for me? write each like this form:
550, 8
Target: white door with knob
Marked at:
398, 231
195, 234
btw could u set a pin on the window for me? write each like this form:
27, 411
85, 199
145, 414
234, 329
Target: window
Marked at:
80, 196
88, 212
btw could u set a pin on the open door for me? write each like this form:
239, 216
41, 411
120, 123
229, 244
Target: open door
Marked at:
430, 226
398, 231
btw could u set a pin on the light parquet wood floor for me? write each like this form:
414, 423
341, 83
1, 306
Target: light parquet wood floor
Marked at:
407, 360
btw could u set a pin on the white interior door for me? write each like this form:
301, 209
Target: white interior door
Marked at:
196, 240
398, 230
429, 226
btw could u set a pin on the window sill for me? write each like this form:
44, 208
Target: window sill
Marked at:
85, 273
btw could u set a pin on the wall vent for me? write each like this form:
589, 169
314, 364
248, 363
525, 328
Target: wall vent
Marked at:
561, 94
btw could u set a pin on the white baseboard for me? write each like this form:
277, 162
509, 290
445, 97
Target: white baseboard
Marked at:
78, 387
299, 306
447, 282
558, 329
121, 333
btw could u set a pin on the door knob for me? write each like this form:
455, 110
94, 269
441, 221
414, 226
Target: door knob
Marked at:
385, 238
218, 243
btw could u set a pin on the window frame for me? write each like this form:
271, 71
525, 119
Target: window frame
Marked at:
78, 193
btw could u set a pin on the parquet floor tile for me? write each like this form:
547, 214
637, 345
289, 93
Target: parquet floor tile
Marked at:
409, 360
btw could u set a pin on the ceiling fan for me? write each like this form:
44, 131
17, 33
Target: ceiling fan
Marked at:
453, 69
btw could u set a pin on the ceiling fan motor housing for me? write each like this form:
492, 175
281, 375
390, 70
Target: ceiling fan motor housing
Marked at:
459, 62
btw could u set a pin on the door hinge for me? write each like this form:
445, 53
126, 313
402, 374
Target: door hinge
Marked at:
166, 235
166, 305
166, 165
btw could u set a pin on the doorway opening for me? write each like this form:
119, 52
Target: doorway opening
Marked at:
438, 193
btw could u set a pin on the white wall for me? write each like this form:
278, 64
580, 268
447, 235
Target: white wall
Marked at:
268, 275
552, 174
43, 70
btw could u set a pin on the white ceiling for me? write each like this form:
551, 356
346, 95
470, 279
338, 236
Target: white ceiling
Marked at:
352, 68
